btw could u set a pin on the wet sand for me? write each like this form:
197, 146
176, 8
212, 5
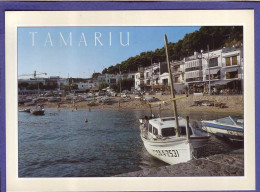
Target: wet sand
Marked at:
219, 158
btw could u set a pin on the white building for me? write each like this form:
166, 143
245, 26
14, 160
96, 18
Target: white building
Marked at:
83, 86
223, 66
114, 78
139, 79
156, 77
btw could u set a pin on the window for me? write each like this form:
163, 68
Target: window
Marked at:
166, 132
165, 81
194, 79
234, 60
183, 130
155, 131
228, 61
193, 69
231, 61
213, 62
150, 127
232, 75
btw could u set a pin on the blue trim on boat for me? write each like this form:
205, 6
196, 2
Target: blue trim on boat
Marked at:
223, 127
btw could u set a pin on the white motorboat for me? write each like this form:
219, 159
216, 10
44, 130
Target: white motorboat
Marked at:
231, 127
161, 141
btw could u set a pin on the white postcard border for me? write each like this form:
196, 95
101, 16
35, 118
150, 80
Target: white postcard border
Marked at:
15, 19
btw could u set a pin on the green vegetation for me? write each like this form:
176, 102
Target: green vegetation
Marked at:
126, 84
35, 86
70, 87
216, 37
103, 85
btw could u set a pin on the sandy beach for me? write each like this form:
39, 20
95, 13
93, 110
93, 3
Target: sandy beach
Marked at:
231, 104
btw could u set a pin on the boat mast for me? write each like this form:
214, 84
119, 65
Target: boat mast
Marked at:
172, 87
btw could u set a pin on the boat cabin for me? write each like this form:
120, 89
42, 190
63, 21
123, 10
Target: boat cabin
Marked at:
165, 127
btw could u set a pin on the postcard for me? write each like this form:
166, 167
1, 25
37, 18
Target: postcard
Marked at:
130, 100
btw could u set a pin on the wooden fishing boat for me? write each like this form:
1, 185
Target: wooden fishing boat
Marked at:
161, 141
171, 139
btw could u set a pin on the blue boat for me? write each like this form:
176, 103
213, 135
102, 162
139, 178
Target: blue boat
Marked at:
231, 127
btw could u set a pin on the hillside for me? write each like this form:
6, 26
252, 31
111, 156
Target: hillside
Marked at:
216, 37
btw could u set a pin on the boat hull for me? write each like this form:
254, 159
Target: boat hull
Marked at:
170, 152
176, 150
37, 112
231, 134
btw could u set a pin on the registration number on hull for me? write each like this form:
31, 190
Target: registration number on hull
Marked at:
167, 153
233, 133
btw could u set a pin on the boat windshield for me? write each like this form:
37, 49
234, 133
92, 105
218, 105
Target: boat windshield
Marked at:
183, 130
225, 120
167, 132
231, 120
239, 120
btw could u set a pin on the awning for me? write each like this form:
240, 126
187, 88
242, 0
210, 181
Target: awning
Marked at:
231, 69
212, 71
193, 74
222, 82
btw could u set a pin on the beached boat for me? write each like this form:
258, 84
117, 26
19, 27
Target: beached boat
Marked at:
37, 111
171, 139
161, 141
54, 99
231, 127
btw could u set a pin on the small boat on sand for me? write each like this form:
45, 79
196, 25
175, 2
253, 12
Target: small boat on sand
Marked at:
231, 127
37, 111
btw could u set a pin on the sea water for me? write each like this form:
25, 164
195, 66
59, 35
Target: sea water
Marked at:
62, 144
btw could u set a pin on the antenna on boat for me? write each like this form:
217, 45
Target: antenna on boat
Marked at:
160, 110
172, 87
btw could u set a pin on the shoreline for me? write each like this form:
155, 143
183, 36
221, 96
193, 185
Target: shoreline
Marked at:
234, 104
204, 109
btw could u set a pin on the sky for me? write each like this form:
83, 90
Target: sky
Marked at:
80, 51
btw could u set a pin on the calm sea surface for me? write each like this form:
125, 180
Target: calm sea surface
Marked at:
61, 144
